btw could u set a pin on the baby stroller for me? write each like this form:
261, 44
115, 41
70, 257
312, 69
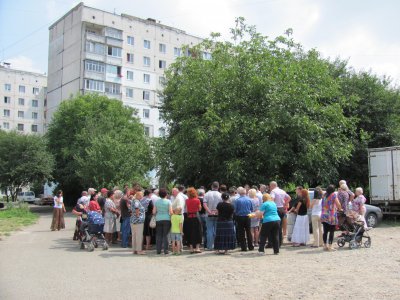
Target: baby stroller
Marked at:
354, 231
92, 232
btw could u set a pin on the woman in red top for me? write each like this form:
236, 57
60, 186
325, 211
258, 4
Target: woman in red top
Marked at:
194, 234
93, 204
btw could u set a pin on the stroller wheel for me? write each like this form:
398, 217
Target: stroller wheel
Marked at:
353, 244
105, 246
82, 245
367, 243
95, 244
90, 247
340, 242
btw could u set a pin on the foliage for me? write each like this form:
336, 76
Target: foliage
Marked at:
259, 109
97, 142
378, 124
23, 160
15, 216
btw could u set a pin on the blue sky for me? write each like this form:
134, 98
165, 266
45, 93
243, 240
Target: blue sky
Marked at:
366, 32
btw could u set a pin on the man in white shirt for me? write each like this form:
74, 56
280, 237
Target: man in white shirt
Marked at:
210, 202
281, 199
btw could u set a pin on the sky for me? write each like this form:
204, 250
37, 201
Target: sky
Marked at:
364, 32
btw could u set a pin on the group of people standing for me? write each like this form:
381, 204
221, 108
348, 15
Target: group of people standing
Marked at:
221, 219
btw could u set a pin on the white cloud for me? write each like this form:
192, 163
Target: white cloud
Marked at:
23, 63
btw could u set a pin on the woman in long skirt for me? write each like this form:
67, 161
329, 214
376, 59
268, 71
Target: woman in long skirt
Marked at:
193, 224
58, 212
225, 238
301, 230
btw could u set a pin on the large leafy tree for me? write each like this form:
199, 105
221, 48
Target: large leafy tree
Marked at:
96, 141
259, 109
23, 161
377, 113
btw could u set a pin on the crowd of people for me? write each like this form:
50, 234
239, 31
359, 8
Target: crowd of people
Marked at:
219, 220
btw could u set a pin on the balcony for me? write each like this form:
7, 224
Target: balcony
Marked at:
95, 38
95, 56
114, 95
113, 78
94, 75
112, 60
114, 42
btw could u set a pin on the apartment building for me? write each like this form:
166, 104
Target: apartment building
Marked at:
22, 100
120, 56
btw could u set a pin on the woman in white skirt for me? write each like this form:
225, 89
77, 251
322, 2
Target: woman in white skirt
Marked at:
301, 230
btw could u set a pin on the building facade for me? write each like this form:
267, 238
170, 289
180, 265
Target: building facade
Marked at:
120, 56
22, 100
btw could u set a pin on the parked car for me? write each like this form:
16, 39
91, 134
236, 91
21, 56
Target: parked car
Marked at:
373, 215
44, 200
26, 196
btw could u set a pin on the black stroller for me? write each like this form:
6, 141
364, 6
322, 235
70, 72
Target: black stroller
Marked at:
92, 232
353, 231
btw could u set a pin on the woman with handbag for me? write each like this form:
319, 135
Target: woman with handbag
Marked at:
148, 231
58, 212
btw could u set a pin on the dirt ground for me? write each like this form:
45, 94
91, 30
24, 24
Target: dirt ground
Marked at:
39, 264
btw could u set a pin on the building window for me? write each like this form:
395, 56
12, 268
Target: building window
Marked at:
162, 64
7, 100
95, 48
147, 130
114, 51
20, 127
130, 40
146, 61
112, 88
35, 103
163, 48
35, 115
146, 113
34, 128
94, 85
94, 66
161, 80
146, 95
35, 91
6, 113
115, 70
20, 114
7, 87
129, 75
146, 44
206, 56
161, 131
161, 99
114, 33
129, 93
146, 78
129, 58
21, 101
177, 52
22, 89
6, 125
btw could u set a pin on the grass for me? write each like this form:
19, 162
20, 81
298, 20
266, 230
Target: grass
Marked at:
14, 217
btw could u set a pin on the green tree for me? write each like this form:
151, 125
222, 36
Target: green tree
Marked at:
377, 113
97, 142
259, 109
23, 160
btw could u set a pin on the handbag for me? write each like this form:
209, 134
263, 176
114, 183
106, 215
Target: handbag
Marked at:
152, 223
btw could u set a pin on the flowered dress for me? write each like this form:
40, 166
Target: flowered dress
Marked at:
328, 214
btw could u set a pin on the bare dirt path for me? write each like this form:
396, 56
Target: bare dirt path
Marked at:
39, 264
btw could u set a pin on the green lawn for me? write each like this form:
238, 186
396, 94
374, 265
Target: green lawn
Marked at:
15, 217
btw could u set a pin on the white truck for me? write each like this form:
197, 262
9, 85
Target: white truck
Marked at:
384, 179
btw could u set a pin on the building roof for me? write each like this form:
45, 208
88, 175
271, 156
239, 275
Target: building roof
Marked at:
22, 71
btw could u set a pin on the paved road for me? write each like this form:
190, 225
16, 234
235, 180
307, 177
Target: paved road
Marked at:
37, 263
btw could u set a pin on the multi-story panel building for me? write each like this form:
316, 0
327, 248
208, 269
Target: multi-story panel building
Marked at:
22, 100
121, 56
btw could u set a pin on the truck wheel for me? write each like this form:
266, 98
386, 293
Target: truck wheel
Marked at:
371, 220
